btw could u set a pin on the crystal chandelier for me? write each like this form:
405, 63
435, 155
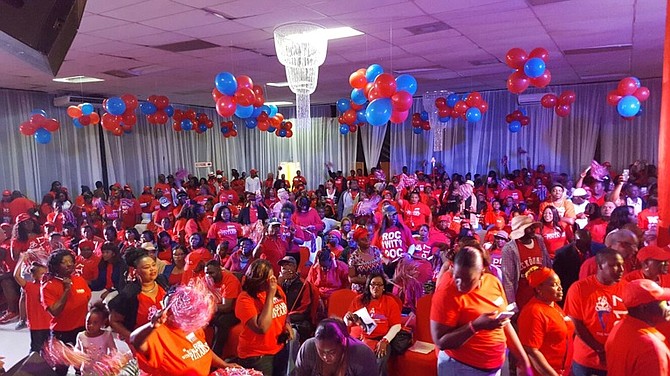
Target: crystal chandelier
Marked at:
301, 47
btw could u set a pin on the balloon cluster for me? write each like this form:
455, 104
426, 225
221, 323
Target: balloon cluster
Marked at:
352, 117
530, 69
190, 120
157, 109
229, 129
628, 97
236, 95
469, 107
83, 114
516, 120
420, 122
562, 103
267, 119
39, 126
120, 116
389, 98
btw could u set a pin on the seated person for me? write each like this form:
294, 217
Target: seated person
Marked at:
300, 298
225, 287
328, 274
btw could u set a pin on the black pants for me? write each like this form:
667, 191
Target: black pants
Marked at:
69, 337
270, 365
222, 323
38, 338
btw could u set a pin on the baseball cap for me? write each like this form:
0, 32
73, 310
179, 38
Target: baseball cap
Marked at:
579, 192
287, 260
390, 209
163, 201
85, 243
653, 252
501, 234
219, 176
643, 291
6, 192
22, 218
274, 222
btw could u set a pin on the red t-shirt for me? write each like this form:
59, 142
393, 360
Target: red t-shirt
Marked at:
221, 231
599, 307
38, 317
553, 238
273, 249
647, 218
251, 343
394, 242
423, 250
175, 352
148, 307
73, 315
228, 288
385, 311
416, 215
527, 259
87, 268
636, 349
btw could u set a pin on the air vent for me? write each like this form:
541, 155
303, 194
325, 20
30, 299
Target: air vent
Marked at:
479, 63
417, 70
598, 49
428, 28
189, 45
120, 73
543, 2
219, 14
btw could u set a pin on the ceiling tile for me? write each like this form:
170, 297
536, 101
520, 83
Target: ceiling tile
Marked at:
147, 10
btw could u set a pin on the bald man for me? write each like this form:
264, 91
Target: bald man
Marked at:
625, 243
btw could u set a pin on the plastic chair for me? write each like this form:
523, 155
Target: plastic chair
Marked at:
412, 363
339, 302
230, 347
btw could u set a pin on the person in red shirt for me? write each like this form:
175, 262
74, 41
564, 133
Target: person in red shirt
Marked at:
262, 309
20, 205
228, 195
38, 318
394, 239
623, 241
635, 347
416, 213
86, 262
441, 233
147, 201
328, 274
65, 296
299, 182
654, 261
595, 305
544, 329
553, 231
196, 259
272, 246
242, 256
225, 287
648, 217
493, 213
307, 217
463, 321
598, 226
223, 229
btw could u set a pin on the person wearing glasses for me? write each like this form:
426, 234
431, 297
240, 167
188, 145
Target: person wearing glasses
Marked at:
384, 311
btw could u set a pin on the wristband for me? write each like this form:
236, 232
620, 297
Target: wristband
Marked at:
472, 328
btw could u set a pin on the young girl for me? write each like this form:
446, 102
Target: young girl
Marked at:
38, 318
95, 341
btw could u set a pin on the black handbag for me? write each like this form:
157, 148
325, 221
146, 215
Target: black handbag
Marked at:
401, 342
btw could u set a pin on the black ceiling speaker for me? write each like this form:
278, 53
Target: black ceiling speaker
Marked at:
40, 32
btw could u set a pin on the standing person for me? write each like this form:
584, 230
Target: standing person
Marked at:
95, 341
569, 259
553, 231
328, 274
394, 239
594, 304
635, 347
252, 184
299, 182
333, 351
557, 199
464, 322
226, 288
525, 250
654, 261
416, 213
348, 200
364, 260
38, 319
544, 329
262, 309
65, 296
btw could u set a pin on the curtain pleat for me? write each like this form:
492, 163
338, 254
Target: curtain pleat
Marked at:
373, 140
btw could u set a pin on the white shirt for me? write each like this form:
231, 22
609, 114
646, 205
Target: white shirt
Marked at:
252, 184
637, 205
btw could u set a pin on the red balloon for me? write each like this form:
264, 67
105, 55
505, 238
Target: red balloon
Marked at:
244, 81
27, 129
118, 131
628, 118
95, 118
444, 112
627, 86
258, 90
37, 119
454, 114
226, 106
483, 106
245, 96
441, 102
549, 100
509, 118
385, 84
109, 121
85, 120
178, 115
357, 79
353, 128
260, 99
130, 101
152, 99
152, 119
216, 94
402, 101
176, 126
517, 115
74, 112
613, 97
642, 93
340, 120
161, 102
289, 133
191, 115
425, 126
263, 125
209, 124
563, 110
127, 127
540, 52
525, 120
516, 58
52, 125
567, 97
275, 122
517, 82
374, 94
288, 125
543, 80
349, 116
473, 99
367, 89
461, 107
160, 116
355, 106
416, 122
398, 117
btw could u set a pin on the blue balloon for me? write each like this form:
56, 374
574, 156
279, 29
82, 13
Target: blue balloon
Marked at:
273, 110
202, 127
257, 111
444, 119
169, 111
360, 116
628, 106
373, 71
244, 112
226, 83
452, 99
534, 67
272, 129
265, 108
42, 136
251, 123
407, 83
417, 130
38, 111
473, 115
116, 106
358, 96
343, 104
515, 126
524, 112
87, 108
379, 111
639, 113
186, 124
282, 133
344, 129
225, 130
637, 82
148, 108
424, 115
77, 124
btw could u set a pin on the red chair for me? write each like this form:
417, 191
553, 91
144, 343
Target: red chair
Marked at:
413, 363
304, 257
230, 348
339, 302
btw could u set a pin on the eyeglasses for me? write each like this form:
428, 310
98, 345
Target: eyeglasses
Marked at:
376, 285
628, 244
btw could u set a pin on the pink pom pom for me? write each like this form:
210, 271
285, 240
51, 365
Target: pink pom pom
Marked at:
192, 306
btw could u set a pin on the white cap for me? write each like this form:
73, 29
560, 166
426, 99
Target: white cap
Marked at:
470, 183
579, 192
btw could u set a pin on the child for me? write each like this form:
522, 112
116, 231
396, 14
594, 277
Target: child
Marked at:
95, 341
39, 320
86, 263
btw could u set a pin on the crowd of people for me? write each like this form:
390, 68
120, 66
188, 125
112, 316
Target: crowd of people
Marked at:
530, 270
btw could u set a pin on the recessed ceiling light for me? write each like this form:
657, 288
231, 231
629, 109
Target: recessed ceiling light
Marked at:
279, 103
278, 84
341, 32
77, 79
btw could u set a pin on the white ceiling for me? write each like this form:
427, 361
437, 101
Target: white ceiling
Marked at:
119, 34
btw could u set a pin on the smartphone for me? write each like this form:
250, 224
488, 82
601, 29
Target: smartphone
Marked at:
626, 174
508, 312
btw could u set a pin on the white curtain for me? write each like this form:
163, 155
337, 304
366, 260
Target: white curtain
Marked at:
372, 139
409, 149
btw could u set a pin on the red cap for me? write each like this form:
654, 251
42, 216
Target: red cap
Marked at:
360, 233
116, 186
147, 188
22, 218
445, 217
643, 291
6, 192
85, 243
653, 252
